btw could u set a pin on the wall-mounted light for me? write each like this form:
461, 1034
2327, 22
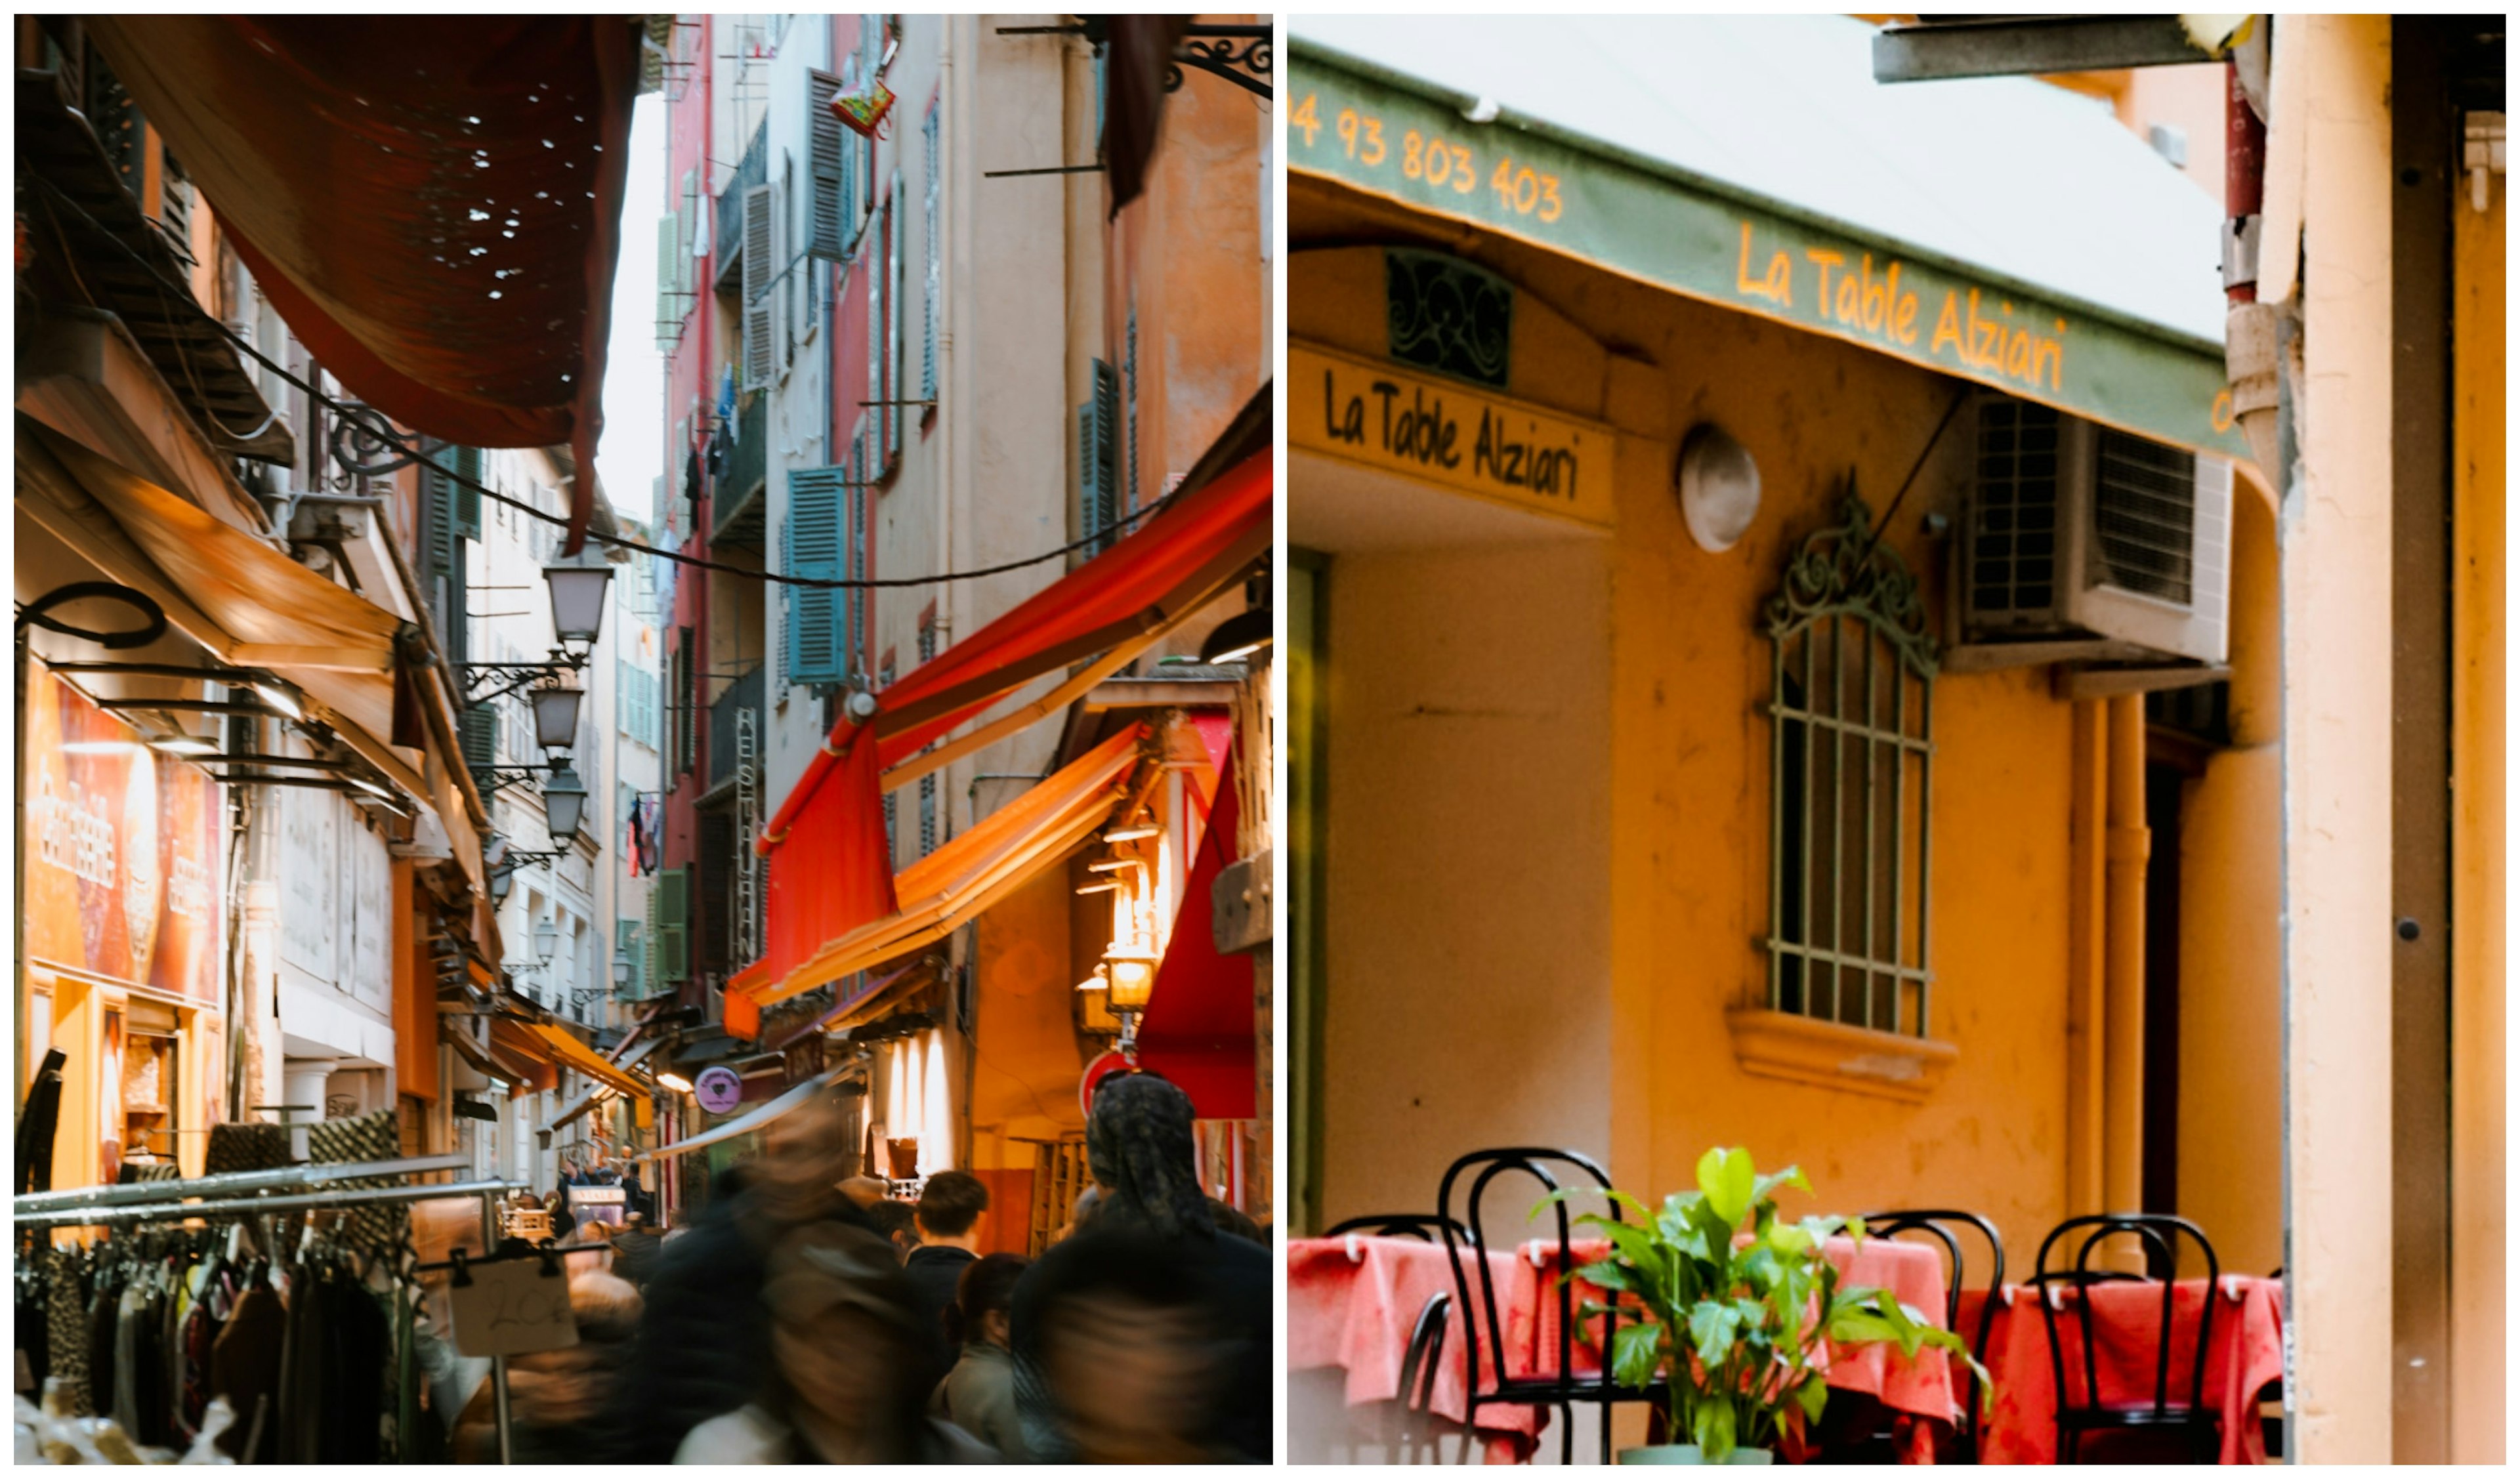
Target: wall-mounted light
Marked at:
183, 745
546, 939
1095, 888
555, 709
1719, 487
621, 965
280, 696
578, 602
674, 1080
563, 805
1132, 834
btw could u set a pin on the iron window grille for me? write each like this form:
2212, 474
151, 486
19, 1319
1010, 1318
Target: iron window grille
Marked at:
1851, 676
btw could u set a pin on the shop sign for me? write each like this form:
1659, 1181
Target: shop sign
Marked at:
337, 886
1449, 434
718, 1089
1404, 142
122, 849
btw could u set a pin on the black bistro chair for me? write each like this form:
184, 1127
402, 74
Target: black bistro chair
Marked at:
2178, 1412
1488, 1385
1423, 1359
1869, 1439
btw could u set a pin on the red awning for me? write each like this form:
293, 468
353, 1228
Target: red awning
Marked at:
432, 203
809, 945
1199, 1030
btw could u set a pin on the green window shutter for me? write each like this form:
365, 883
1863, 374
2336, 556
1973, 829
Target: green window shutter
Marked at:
669, 321
817, 639
635, 949
673, 923
481, 730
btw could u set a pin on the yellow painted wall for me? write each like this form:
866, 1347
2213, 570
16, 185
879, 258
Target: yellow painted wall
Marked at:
2230, 1088
2478, 1014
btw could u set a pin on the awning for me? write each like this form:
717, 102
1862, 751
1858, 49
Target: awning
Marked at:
499, 1060
246, 603
938, 892
556, 1047
1199, 1030
2001, 231
744, 1124
596, 1096
1113, 608
433, 204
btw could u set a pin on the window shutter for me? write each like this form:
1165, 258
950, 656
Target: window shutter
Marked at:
936, 278
1098, 440
817, 635
757, 285
693, 222
892, 390
826, 171
1131, 506
879, 305
783, 284
468, 498
480, 728
668, 281
673, 897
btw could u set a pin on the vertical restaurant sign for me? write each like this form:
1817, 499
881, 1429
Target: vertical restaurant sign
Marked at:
1449, 432
121, 850
1395, 138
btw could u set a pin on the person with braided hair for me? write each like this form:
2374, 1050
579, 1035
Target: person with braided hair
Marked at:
1145, 1337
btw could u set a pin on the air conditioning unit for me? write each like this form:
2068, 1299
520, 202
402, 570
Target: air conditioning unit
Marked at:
2082, 544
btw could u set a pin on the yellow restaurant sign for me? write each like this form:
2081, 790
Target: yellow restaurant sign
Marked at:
1449, 434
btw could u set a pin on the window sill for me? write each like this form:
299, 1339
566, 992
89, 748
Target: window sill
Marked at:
1835, 1056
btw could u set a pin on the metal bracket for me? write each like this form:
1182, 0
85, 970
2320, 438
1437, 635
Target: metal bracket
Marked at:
1243, 55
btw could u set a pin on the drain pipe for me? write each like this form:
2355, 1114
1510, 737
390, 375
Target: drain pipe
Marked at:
2129, 849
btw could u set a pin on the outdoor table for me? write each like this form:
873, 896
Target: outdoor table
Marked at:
1352, 1302
2247, 1353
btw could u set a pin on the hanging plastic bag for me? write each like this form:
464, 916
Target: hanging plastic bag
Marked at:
865, 108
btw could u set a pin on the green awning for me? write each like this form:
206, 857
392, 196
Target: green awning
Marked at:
1410, 141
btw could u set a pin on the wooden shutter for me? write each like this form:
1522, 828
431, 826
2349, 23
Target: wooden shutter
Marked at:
815, 542
673, 900
756, 286
480, 725
1098, 441
826, 171
935, 260
669, 319
468, 498
878, 306
892, 388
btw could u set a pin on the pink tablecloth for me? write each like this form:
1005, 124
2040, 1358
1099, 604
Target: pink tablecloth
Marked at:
2246, 1354
1351, 1303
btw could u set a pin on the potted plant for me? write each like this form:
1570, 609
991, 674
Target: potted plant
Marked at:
1734, 1308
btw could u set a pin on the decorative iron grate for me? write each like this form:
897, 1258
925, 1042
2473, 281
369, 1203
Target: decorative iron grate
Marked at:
2012, 549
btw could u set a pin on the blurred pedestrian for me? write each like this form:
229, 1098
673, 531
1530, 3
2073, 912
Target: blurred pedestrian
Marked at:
898, 1224
866, 1191
561, 1222
980, 1394
1146, 1337
949, 1214
704, 1341
848, 1377
636, 1248
556, 1397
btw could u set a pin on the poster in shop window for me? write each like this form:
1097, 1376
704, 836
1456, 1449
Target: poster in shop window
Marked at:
121, 850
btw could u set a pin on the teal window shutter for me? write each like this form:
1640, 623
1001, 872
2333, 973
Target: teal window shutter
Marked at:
816, 636
468, 500
1097, 448
673, 899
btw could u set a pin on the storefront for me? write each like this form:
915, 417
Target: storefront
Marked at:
1605, 475
335, 931
124, 886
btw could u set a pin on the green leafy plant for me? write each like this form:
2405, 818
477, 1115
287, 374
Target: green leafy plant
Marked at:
1734, 1327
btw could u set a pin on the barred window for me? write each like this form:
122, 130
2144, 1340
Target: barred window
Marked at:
1851, 783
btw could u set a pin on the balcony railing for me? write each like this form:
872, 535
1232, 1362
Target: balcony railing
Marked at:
743, 693
738, 503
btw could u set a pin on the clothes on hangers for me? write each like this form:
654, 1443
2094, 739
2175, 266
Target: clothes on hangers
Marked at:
245, 1364
66, 1327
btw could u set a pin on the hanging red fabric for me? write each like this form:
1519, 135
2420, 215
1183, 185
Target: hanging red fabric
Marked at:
432, 205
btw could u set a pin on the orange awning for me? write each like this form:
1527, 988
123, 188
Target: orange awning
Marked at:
554, 1045
246, 603
939, 892
433, 204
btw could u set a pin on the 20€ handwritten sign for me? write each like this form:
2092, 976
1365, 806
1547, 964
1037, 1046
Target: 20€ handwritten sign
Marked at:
512, 1307
1450, 433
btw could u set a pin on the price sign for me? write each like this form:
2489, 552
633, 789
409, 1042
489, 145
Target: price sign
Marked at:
512, 1307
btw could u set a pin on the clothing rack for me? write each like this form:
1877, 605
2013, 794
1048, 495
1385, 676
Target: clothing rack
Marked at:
234, 1182
233, 1194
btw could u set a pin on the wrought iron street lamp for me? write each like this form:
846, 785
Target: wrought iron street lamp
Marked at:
577, 592
546, 939
555, 711
563, 805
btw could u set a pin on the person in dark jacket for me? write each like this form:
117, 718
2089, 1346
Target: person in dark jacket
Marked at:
978, 1395
1146, 1337
703, 1339
949, 1208
898, 1224
636, 1248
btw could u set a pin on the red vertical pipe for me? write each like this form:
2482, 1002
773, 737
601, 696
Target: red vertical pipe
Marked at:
2244, 186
